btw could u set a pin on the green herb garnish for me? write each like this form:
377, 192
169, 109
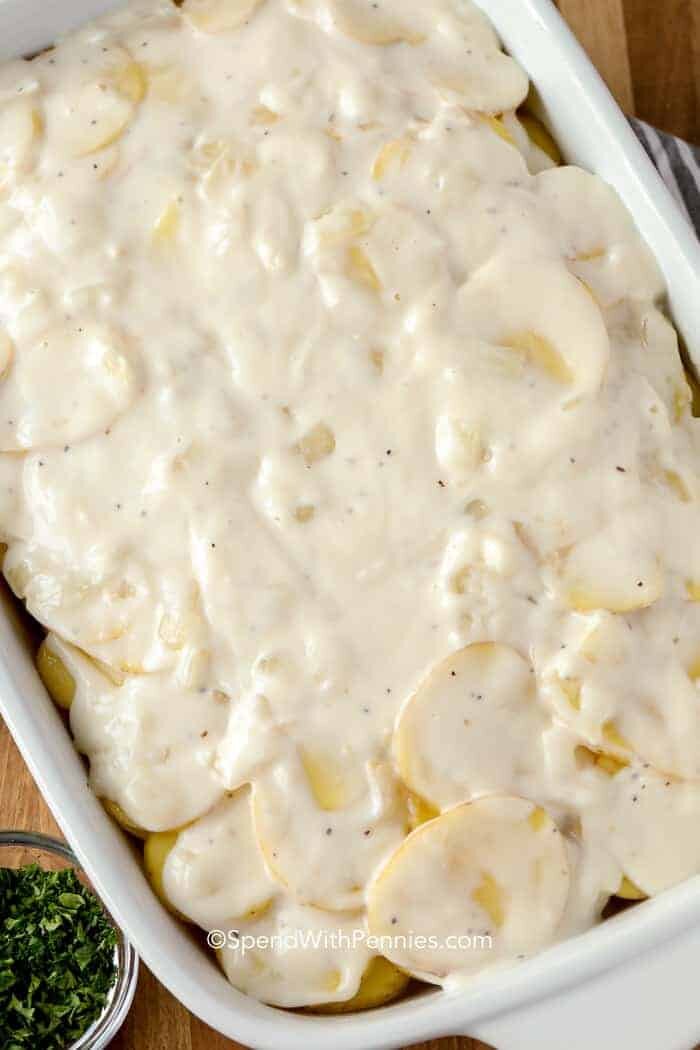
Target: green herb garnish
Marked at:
57, 961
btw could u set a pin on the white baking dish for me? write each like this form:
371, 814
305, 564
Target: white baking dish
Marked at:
628, 983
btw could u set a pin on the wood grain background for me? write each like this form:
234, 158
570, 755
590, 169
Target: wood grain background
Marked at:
649, 53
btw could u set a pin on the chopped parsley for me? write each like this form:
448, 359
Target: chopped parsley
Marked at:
57, 958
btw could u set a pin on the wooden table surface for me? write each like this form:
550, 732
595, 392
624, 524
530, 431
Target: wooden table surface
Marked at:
649, 53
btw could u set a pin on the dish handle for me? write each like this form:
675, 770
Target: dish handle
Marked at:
651, 1004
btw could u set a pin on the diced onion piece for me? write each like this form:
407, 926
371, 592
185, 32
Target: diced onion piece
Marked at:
317, 444
95, 119
360, 269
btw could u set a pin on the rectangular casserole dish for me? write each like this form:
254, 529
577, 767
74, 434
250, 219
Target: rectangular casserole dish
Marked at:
630, 982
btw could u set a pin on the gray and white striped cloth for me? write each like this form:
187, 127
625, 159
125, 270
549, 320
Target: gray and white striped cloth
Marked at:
678, 164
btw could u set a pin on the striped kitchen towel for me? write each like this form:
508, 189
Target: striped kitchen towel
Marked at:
679, 166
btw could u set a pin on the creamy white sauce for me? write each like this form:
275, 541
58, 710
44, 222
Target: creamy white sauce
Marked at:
316, 372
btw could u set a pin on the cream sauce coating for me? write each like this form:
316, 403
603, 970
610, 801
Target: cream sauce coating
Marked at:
315, 373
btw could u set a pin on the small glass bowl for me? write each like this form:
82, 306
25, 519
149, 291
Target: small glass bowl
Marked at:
18, 848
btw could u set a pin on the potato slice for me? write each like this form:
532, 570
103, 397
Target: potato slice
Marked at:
95, 119
375, 24
325, 857
615, 569
156, 849
539, 136
552, 324
158, 770
301, 956
627, 891
496, 868
472, 727
381, 983
489, 83
218, 16
597, 235
117, 813
215, 873
59, 682
21, 126
648, 822
73, 381
317, 444
626, 694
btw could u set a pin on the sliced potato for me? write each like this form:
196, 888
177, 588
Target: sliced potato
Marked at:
486, 82
551, 322
117, 813
21, 126
597, 235
633, 701
374, 23
96, 364
496, 869
214, 873
59, 682
539, 136
473, 726
325, 857
95, 119
648, 823
156, 848
301, 956
333, 786
158, 771
218, 16
614, 569
628, 891
381, 983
